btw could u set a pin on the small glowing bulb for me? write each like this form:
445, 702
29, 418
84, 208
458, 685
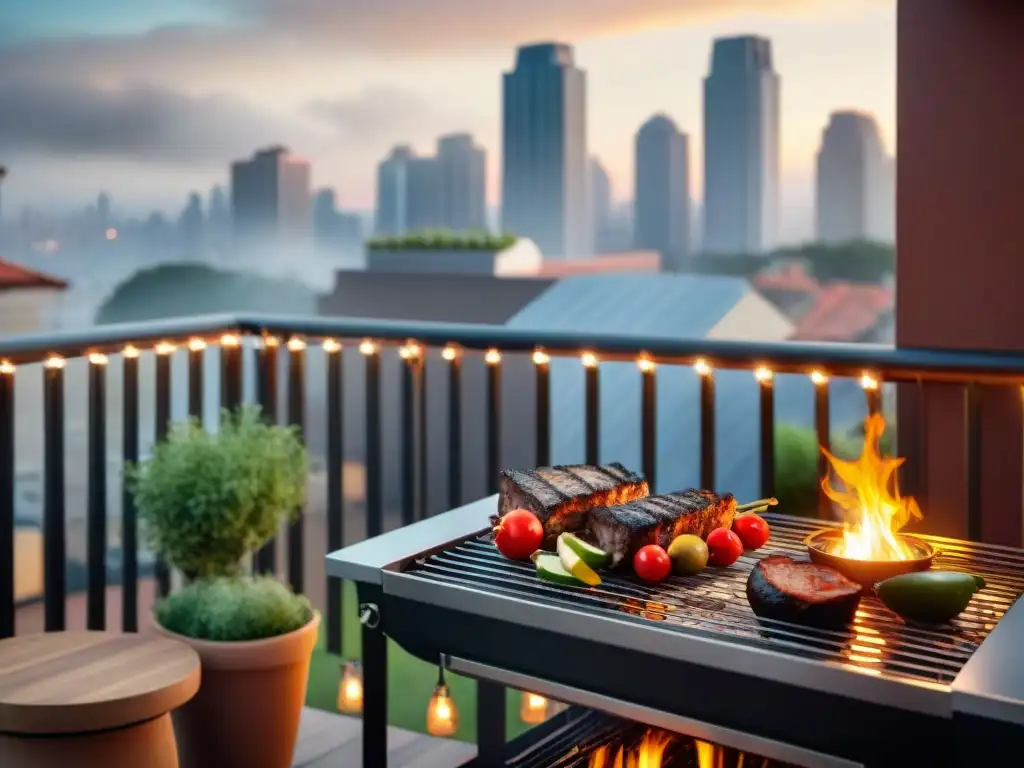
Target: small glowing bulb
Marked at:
98, 358
410, 351
6, 367
130, 352
367, 347
164, 348
869, 382
702, 367
296, 344
271, 342
196, 345
331, 346
533, 709
589, 360
54, 362
819, 378
645, 364
227, 340
541, 358
763, 374
449, 353
442, 718
493, 357
350, 688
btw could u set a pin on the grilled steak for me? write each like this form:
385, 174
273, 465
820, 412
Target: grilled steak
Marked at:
561, 496
623, 529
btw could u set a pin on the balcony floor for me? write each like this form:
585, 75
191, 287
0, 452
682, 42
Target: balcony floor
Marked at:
326, 739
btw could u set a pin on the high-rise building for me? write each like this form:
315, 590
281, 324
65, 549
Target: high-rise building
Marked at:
741, 148
544, 151
337, 232
600, 203
462, 166
271, 202
854, 194
191, 226
408, 196
662, 191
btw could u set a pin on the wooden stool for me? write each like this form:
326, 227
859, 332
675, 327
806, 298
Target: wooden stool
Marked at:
92, 699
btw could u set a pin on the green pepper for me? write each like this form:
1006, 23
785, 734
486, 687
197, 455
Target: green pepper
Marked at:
930, 597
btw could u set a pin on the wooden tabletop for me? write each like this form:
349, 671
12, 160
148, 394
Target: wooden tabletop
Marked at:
80, 682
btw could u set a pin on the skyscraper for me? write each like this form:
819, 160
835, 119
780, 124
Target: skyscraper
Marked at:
854, 195
741, 147
408, 193
191, 225
662, 191
544, 151
462, 166
600, 203
271, 202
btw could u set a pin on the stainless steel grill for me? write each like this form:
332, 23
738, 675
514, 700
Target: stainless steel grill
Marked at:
714, 601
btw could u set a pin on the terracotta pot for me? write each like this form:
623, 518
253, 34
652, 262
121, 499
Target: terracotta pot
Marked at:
249, 702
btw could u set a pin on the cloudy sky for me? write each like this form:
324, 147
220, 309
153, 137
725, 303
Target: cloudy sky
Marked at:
152, 99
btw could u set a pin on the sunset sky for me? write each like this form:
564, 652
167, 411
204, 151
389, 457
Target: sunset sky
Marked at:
151, 99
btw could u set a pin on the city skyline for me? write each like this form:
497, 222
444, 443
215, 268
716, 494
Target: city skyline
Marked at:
833, 54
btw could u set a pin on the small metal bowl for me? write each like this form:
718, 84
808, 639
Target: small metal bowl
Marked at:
821, 546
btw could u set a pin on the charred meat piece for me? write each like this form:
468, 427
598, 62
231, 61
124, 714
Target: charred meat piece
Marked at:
804, 593
561, 496
623, 529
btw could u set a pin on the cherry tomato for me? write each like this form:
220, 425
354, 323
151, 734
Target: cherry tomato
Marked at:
652, 563
752, 530
518, 534
724, 547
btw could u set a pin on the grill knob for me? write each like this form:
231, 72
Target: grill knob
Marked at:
369, 615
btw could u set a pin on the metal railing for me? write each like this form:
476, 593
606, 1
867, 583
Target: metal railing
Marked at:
258, 343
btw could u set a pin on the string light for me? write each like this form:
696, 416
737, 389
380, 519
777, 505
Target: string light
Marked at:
54, 362
296, 344
534, 708
449, 353
645, 364
702, 367
6, 367
331, 346
350, 688
493, 357
197, 345
869, 382
442, 717
410, 351
819, 378
763, 374
227, 340
130, 352
367, 347
164, 348
98, 358
271, 341
541, 358
589, 360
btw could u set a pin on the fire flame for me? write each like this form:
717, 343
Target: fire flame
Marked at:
648, 753
870, 500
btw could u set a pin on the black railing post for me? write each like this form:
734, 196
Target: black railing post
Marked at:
335, 488
196, 365
708, 456
129, 522
374, 501
265, 560
164, 355
592, 407
823, 428
422, 449
649, 421
493, 417
297, 418
230, 371
542, 387
451, 354
96, 554
766, 382
7, 478
410, 365
54, 520
972, 460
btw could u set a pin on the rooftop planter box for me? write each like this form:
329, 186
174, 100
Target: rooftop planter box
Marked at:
444, 253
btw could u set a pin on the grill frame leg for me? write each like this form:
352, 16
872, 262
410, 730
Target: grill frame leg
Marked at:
490, 724
375, 679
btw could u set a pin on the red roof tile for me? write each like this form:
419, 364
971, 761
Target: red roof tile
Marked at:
791, 278
844, 312
16, 276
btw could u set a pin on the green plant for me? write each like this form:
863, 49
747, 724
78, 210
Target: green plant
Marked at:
234, 609
206, 500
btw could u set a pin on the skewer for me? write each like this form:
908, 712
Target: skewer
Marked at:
757, 506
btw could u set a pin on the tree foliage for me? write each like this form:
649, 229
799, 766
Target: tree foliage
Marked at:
443, 240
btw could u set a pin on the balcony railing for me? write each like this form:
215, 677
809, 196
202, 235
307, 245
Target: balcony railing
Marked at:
266, 359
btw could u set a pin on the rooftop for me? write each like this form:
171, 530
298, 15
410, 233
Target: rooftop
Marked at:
16, 276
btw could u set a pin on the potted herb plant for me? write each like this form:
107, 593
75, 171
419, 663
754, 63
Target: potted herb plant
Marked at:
206, 501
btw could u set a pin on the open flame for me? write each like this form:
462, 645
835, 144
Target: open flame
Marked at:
870, 500
647, 754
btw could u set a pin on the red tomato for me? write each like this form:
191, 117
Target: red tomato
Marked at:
518, 534
652, 563
752, 530
724, 547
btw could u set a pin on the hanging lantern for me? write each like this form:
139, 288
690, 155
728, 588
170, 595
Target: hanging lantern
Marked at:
534, 708
442, 717
350, 688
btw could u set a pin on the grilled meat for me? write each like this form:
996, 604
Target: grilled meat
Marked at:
814, 595
623, 529
561, 496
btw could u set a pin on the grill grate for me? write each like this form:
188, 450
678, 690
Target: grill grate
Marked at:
715, 601
593, 738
